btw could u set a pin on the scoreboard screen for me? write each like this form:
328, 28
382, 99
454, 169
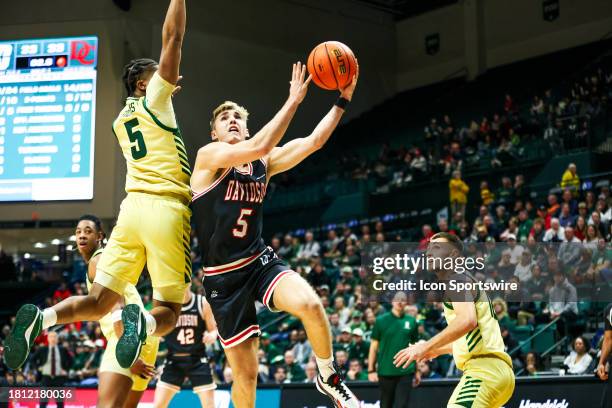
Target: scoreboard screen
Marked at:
47, 112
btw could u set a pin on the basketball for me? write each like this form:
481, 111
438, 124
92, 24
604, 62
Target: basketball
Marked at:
332, 65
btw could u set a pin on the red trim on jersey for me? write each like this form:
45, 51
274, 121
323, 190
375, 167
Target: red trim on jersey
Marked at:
250, 170
272, 286
240, 337
213, 185
215, 270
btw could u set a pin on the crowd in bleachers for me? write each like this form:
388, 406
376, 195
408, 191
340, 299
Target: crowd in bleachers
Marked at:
560, 118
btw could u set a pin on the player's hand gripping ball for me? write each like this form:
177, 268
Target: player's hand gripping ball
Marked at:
332, 65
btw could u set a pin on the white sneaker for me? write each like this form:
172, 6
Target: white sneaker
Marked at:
337, 390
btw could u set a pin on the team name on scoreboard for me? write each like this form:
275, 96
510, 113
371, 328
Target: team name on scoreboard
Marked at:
251, 192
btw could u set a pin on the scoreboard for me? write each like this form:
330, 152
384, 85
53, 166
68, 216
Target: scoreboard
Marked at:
47, 117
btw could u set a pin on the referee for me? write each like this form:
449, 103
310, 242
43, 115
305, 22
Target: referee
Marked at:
392, 332
606, 357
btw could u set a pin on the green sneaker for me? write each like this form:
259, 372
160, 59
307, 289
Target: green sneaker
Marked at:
28, 325
134, 336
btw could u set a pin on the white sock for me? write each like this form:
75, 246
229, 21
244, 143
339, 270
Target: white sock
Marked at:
326, 367
49, 318
151, 323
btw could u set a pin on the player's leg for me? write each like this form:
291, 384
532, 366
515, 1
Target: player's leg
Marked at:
289, 292
164, 394
486, 383
164, 232
113, 389
140, 383
114, 382
207, 398
243, 361
202, 382
133, 399
30, 320
294, 295
170, 381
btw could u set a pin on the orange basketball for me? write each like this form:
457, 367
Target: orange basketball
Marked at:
332, 65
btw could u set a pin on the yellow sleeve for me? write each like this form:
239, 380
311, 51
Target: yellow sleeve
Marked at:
159, 100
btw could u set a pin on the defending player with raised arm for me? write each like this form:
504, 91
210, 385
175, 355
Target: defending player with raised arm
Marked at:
117, 386
153, 225
473, 337
229, 185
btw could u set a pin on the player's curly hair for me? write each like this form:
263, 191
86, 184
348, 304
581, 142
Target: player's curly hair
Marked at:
94, 219
133, 71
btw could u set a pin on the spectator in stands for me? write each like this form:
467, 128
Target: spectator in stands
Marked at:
595, 221
359, 348
280, 375
294, 372
569, 250
521, 191
580, 229
505, 194
562, 302
311, 372
524, 225
341, 362
532, 365
536, 286
516, 250
424, 368
592, 237
344, 340
288, 250
61, 293
556, 233
271, 350
458, 190
427, 234
524, 267
317, 276
566, 219
302, 350
601, 261
553, 206
570, 179
53, 361
500, 307
418, 165
579, 359
505, 268
309, 249
486, 195
568, 198
356, 371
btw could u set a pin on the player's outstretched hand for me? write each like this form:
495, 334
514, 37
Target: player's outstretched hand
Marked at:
350, 88
415, 352
177, 88
298, 86
142, 369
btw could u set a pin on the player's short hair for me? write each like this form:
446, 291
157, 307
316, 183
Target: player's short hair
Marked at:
92, 218
225, 106
133, 71
451, 238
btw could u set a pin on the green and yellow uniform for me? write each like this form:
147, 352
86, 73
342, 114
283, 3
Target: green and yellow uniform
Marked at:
488, 378
148, 354
153, 224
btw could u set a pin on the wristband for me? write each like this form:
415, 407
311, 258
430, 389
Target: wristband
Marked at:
371, 372
116, 316
342, 102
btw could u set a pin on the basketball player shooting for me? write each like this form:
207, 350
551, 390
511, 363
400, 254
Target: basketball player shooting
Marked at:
153, 224
229, 184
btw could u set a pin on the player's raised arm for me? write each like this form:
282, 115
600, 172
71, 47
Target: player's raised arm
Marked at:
292, 153
173, 32
441, 343
221, 154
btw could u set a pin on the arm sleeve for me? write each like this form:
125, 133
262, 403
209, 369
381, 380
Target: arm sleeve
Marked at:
159, 100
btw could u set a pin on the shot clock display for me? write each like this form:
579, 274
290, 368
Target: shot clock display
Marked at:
47, 116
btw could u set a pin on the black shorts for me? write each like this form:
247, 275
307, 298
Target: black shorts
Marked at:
197, 370
232, 296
